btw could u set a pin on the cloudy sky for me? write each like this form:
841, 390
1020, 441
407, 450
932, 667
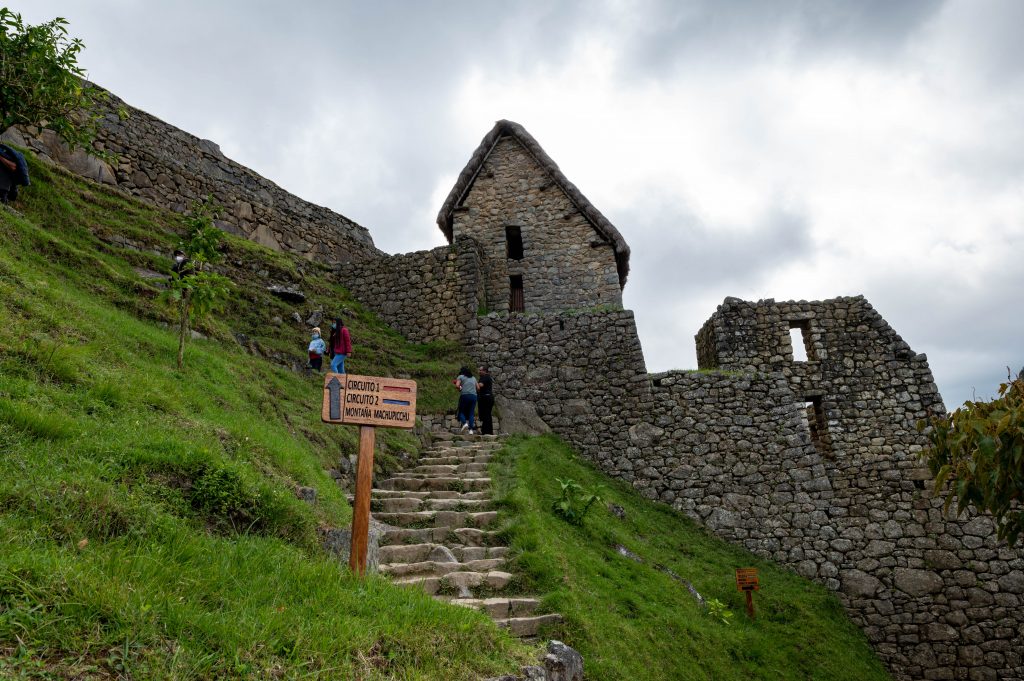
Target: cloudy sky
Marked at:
799, 149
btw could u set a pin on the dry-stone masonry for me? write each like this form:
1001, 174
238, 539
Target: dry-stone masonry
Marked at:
171, 168
426, 295
812, 463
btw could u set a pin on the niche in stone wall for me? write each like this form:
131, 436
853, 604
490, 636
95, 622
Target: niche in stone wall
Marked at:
516, 301
818, 425
800, 341
514, 242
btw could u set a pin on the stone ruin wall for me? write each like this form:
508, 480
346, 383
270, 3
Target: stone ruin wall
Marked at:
733, 448
939, 597
425, 295
171, 168
566, 264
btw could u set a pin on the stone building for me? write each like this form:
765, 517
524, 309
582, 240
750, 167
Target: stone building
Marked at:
546, 248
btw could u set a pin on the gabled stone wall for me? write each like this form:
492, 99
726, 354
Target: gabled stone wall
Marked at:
566, 264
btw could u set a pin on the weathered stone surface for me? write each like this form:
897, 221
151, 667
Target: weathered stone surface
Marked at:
856, 583
562, 663
338, 540
519, 416
917, 583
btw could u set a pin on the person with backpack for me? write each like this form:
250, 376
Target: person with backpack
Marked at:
467, 398
339, 345
317, 348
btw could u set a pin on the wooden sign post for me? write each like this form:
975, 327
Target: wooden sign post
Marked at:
369, 402
746, 581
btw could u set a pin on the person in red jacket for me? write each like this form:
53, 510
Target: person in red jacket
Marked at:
339, 345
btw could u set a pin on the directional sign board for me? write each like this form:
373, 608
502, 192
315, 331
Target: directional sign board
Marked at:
746, 579
369, 401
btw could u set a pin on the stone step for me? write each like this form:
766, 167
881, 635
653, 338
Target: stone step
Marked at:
524, 627
458, 582
454, 459
414, 553
431, 567
498, 607
431, 551
443, 470
469, 537
468, 475
409, 484
439, 494
451, 519
412, 504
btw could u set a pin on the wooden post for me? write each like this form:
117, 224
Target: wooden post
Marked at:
361, 510
750, 603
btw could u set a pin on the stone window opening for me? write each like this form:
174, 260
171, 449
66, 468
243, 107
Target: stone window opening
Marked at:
818, 426
800, 341
514, 242
516, 301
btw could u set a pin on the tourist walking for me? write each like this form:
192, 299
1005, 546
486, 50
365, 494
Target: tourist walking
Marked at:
467, 398
340, 345
317, 349
485, 399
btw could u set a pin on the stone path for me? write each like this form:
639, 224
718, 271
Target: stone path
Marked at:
442, 535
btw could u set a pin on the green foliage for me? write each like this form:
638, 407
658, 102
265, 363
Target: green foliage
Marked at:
42, 83
574, 501
202, 240
718, 611
979, 451
195, 292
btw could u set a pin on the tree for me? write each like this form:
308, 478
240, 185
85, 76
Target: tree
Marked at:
195, 292
41, 82
979, 451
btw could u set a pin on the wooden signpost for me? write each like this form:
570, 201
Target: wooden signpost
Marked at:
368, 402
746, 581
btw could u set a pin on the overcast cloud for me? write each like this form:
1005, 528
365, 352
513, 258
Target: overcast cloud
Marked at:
787, 150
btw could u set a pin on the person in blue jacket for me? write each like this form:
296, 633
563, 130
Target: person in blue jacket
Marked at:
13, 172
317, 349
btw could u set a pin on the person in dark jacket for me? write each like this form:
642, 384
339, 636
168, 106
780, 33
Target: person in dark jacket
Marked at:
13, 172
485, 400
183, 267
339, 345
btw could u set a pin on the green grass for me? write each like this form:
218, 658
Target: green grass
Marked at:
633, 621
149, 526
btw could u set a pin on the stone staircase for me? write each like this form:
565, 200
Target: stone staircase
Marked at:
441, 532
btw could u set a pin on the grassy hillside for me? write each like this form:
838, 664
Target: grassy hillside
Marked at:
149, 526
631, 620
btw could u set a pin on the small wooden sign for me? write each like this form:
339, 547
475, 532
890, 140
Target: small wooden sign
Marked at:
369, 401
746, 579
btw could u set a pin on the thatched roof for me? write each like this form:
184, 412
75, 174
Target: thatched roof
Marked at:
600, 223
